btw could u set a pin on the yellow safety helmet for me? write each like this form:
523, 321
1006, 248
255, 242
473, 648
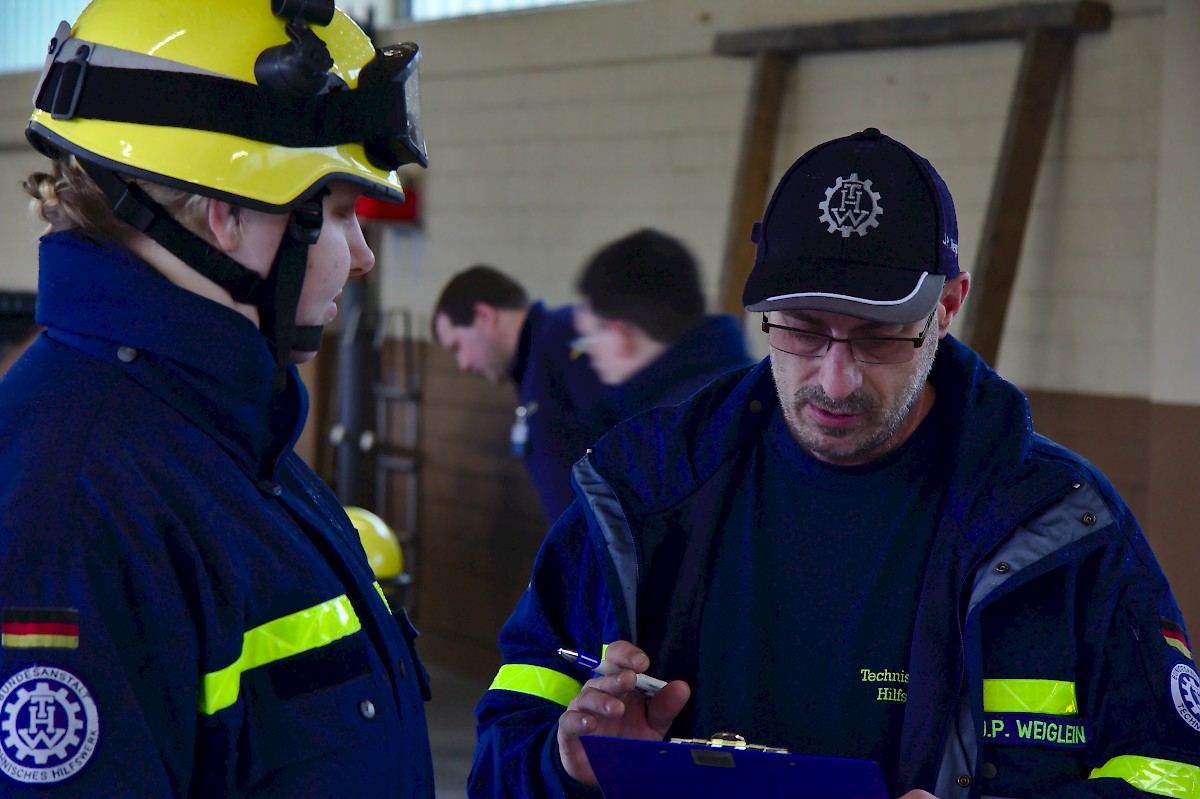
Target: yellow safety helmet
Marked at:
383, 553
257, 102
379, 542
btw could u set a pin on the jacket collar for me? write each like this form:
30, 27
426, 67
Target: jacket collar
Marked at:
529, 330
713, 346
207, 361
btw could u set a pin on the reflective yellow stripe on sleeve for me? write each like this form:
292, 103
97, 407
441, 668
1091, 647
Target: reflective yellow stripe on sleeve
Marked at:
383, 596
1051, 697
289, 635
1162, 777
536, 681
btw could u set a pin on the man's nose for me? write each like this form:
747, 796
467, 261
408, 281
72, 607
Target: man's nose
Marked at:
840, 374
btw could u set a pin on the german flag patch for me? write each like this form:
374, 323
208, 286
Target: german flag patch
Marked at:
1175, 638
40, 628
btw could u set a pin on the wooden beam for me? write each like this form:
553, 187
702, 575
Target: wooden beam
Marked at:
918, 30
752, 180
1047, 54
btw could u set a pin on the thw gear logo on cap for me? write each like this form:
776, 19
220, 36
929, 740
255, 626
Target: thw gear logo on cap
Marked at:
851, 206
49, 725
1185, 693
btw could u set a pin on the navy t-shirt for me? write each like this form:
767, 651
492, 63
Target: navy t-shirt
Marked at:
811, 612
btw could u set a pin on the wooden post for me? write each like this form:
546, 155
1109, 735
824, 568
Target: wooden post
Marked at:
752, 181
1047, 54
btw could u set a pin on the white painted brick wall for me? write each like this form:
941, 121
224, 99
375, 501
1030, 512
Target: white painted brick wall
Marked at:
19, 231
1087, 265
1175, 345
553, 131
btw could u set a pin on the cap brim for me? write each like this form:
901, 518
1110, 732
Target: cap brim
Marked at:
892, 296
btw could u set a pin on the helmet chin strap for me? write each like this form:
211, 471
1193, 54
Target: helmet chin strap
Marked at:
284, 285
277, 297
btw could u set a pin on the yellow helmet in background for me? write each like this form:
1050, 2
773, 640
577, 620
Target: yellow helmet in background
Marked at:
379, 542
383, 553
257, 102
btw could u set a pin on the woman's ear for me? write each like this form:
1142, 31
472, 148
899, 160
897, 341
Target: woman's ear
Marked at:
224, 221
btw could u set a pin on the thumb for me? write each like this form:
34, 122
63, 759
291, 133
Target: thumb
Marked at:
667, 704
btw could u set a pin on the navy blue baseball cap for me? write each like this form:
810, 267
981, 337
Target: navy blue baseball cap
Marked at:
861, 226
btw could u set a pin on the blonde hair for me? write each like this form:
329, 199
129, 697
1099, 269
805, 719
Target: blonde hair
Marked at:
68, 199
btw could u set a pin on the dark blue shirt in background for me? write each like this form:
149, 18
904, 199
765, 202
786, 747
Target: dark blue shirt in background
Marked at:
703, 353
563, 402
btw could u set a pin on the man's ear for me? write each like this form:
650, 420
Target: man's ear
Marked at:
954, 293
486, 316
224, 221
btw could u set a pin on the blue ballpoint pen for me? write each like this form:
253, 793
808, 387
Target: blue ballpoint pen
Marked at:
645, 683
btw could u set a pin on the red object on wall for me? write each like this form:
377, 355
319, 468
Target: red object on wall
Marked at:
368, 208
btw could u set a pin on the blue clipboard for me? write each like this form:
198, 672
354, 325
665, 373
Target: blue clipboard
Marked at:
631, 769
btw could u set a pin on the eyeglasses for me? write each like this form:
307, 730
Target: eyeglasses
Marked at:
809, 344
581, 345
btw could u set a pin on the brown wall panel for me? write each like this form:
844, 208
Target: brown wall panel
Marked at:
1147, 451
511, 493
482, 524
1174, 442
1111, 432
464, 433
474, 568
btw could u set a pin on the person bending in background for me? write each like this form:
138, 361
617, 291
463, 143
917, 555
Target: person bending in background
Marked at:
858, 548
487, 321
641, 319
186, 609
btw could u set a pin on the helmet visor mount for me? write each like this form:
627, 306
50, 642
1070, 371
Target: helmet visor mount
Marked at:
397, 65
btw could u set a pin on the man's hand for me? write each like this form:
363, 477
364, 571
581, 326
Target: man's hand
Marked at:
610, 706
918, 794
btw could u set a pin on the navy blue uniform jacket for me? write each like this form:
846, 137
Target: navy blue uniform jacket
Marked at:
702, 354
1048, 656
564, 401
187, 610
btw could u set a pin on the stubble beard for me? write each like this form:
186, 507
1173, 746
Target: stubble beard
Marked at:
879, 427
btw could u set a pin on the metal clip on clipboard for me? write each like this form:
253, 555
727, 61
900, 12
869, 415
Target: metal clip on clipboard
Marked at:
712, 755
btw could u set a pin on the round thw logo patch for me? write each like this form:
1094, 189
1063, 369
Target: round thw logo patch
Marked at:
850, 206
49, 725
1185, 693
